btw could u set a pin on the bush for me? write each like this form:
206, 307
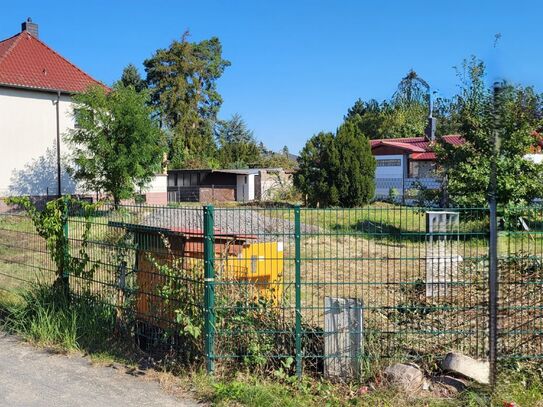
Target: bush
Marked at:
337, 170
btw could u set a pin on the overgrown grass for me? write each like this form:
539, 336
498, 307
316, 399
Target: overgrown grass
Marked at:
522, 387
45, 316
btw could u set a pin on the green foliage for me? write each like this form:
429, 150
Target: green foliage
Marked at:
132, 77
50, 223
246, 321
423, 196
393, 195
516, 112
319, 160
405, 115
117, 147
181, 296
260, 393
337, 170
270, 159
182, 79
47, 317
237, 147
355, 174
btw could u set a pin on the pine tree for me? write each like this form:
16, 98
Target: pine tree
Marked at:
237, 147
182, 80
337, 170
319, 162
355, 176
132, 77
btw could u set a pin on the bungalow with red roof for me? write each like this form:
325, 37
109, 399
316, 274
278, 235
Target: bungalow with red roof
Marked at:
36, 89
403, 162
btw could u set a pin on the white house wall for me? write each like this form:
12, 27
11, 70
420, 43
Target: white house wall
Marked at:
28, 128
389, 171
245, 188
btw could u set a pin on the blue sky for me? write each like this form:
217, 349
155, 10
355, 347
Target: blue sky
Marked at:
297, 65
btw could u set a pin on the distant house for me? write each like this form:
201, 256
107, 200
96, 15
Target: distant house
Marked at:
36, 89
402, 163
225, 185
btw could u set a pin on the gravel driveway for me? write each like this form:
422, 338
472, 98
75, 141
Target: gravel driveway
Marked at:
31, 377
245, 221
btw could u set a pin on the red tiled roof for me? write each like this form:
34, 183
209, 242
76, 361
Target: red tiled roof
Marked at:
404, 146
419, 147
26, 61
423, 156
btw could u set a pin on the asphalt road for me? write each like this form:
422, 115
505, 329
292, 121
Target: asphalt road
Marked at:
31, 377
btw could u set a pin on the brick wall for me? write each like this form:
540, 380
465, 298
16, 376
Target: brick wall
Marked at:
218, 194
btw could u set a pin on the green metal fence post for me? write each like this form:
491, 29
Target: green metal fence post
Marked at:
298, 287
209, 289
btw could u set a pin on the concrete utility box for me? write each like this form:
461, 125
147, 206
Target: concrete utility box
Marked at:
343, 329
442, 260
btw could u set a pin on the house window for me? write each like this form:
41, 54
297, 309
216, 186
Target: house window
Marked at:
389, 163
78, 117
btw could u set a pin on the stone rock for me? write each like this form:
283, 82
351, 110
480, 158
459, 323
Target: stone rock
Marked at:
406, 377
466, 366
451, 383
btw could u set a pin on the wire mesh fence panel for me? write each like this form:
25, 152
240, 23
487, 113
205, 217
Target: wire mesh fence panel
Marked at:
24, 258
147, 263
326, 291
417, 293
254, 286
520, 310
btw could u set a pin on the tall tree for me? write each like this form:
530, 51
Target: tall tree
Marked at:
182, 80
131, 77
516, 114
403, 115
237, 147
117, 146
337, 170
355, 177
319, 162
371, 117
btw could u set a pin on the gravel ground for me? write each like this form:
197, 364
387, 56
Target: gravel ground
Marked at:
32, 377
235, 221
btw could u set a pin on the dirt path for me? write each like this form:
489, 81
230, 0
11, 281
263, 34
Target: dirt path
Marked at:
31, 377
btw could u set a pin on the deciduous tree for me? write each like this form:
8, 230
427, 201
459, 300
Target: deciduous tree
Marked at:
515, 113
117, 147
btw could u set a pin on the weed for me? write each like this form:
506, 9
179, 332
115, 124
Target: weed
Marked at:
44, 315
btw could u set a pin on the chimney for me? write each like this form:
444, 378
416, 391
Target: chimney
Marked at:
30, 27
430, 131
